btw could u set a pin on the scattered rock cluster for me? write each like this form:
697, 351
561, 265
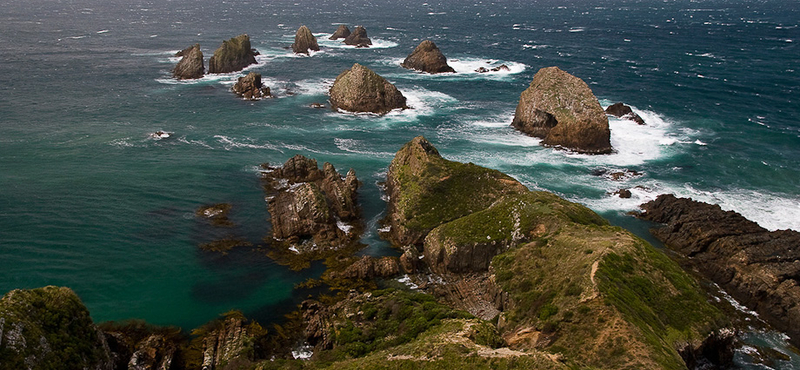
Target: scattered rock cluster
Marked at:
620, 110
233, 55
358, 38
191, 64
500, 68
341, 33
359, 89
427, 58
250, 87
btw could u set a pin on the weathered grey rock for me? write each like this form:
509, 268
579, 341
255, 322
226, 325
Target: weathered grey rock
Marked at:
368, 268
427, 58
233, 55
229, 346
759, 268
620, 110
250, 87
191, 64
359, 89
341, 33
358, 38
153, 353
562, 110
304, 41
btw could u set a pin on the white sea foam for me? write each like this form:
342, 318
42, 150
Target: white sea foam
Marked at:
359, 147
466, 69
229, 143
421, 101
377, 43
303, 352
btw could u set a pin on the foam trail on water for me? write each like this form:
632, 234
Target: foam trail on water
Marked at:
466, 69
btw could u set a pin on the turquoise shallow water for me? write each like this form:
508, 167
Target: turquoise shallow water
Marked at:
90, 201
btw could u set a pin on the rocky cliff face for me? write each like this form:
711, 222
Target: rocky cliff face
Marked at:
304, 41
191, 64
562, 110
427, 58
250, 87
358, 38
233, 55
620, 110
229, 345
426, 190
154, 353
359, 89
757, 267
312, 209
50, 328
341, 33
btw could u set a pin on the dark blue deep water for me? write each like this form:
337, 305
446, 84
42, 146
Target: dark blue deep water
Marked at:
88, 200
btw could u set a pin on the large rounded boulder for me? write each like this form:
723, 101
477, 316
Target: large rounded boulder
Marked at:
233, 55
304, 41
427, 58
562, 110
191, 64
359, 89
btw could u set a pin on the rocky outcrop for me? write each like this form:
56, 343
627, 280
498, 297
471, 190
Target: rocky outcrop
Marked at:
368, 268
216, 214
757, 267
500, 68
427, 58
304, 41
562, 110
233, 55
153, 353
426, 190
359, 89
341, 33
229, 345
50, 328
250, 87
191, 64
620, 110
358, 38
312, 208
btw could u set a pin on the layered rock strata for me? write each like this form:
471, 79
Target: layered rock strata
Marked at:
427, 58
191, 65
358, 38
620, 110
250, 87
312, 208
233, 55
562, 110
359, 89
759, 268
304, 41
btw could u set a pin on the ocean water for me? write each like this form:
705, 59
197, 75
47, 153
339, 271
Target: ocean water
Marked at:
89, 200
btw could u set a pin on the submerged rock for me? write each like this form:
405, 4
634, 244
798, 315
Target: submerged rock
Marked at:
562, 110
358, 38
191, 64
304, 41
312, 210
250, 87
620, 110
757, 267
427, 58
359, 89
216, 214
233, 55
341, 33
500, 68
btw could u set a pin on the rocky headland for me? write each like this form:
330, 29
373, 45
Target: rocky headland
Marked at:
341, 33
760, 268
358, 38
620, 110
427, 58
359, 89
191, 65
561, 109
233, 55
304, 41
312, 211
250, 87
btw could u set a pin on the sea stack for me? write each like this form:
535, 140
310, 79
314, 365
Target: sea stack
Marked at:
359, 89
250, 87
191, 64
358, 38
233, 55
341, 33
620, 110
427, 58
304, 41
562, 110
